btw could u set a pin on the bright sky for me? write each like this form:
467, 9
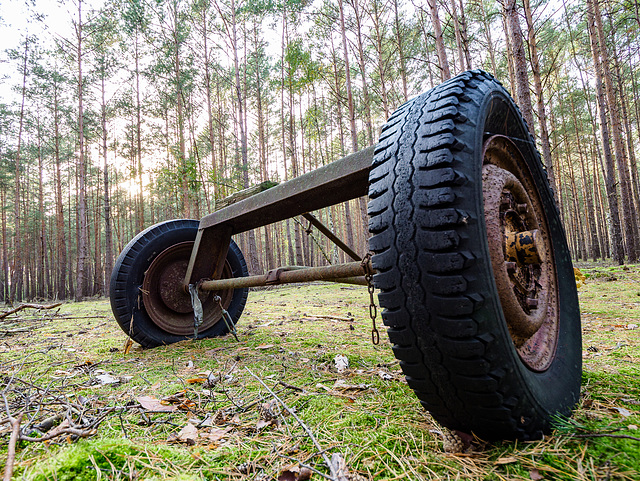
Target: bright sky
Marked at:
17, 21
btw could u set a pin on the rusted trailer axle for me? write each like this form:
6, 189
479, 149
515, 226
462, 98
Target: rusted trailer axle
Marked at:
350, 273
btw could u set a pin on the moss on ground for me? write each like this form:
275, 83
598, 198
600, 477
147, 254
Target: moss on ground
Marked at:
289, 338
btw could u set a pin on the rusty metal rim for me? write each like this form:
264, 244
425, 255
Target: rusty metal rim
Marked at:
526, 280
165, 300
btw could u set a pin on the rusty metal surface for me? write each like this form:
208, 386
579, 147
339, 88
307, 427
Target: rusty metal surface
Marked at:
521, 253
521, 247
339, 181
167, 303
285, 275
208, 255
331, 236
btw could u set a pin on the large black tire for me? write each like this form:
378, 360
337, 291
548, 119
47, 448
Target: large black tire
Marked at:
441, 264
131, 304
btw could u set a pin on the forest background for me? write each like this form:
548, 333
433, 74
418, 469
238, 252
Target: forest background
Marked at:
148, 110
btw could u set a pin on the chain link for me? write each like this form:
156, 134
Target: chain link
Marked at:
226, 317
373, 310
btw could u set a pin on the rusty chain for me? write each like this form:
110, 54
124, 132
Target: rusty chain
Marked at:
373, 310
227, 318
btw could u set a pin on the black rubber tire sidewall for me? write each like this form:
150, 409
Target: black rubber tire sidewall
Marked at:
128, 275
452, 341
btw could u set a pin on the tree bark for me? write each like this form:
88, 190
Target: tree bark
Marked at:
617, 245
542, 114
520, 63
445, 72
83, 232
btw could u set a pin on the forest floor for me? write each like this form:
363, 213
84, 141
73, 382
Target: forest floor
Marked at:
200, 410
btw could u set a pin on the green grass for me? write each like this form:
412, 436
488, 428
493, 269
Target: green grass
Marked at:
380, 428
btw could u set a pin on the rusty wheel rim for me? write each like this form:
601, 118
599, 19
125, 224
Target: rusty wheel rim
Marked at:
167, 303
521, 252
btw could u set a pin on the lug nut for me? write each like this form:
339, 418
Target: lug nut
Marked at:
522, 208
532, 303
511, 267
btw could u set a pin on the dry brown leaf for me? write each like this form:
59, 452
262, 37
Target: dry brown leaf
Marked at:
127, 345
342, 385
265, 346
151, 403
196, 380
535, 475
188, 435
215, 434
287, 476
261, 424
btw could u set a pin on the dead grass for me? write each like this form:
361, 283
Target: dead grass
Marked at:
289, 338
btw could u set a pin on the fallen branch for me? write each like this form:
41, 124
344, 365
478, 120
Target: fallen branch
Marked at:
29, 306
334, 468
331, 318
13, 441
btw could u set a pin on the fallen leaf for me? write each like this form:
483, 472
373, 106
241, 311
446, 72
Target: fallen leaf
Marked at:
632, 427
625, 412
127, 345
535, 475
341, 362
261, 424
265, 346
151, 403
506, 460
342, 385
188, 435
107, 379
287, 476
216, 434
305, 474
196, 380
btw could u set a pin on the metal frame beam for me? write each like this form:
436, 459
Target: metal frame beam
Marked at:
339, 181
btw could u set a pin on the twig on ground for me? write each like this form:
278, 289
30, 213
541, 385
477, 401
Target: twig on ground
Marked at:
289, 386
334, 468
603, 435
29, 306
13, 441
330, 318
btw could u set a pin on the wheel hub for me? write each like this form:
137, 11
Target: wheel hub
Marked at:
521, 253
165, 300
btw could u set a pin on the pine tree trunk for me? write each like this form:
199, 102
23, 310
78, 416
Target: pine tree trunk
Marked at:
108, 235
520, 63
377, 25
630, 228
17, 280
440, 48
537, 83
83, 232
4, 294
617, 246
400, 45
366, 100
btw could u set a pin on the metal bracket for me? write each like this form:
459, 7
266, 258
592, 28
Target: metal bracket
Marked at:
198, 314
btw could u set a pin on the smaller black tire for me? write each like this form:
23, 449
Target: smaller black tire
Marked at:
131, 304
